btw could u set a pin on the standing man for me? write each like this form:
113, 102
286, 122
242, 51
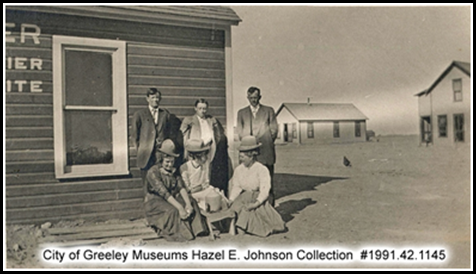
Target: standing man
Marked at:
260, 121
150, 127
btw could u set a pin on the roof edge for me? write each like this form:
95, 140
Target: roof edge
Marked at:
443, 75
107, 12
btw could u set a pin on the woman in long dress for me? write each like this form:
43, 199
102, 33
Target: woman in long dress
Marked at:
195, 173
249, 193
168, 207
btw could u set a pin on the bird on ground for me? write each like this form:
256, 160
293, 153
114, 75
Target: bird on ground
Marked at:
347, 162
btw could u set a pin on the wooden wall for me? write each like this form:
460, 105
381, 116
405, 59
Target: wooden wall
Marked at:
184, 63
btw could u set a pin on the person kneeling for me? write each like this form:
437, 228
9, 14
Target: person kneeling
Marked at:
251, 184
196, 174
168, 207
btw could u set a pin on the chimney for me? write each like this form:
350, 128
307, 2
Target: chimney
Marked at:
308, 101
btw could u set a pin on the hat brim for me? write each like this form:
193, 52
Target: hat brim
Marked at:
169, 153
248, 148
198, 149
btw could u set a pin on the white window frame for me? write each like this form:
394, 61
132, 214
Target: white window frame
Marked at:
119, 122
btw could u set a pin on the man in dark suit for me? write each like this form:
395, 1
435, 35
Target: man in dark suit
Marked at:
150, 127
260, 121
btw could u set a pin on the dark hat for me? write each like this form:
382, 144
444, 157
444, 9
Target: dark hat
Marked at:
249, 143
168, 148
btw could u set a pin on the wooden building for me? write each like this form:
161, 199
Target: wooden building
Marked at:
75, 75
309, 123
445, 107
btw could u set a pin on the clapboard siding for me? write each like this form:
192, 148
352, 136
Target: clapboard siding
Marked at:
29, 52
22, 109
175, 81
45, 41
34, 75
29, 167
178, 91
146, 60
47, 87
30, 178
29, 121
29, 155
29, 98
64, 24
25, 132
178, 100
74, 198
28, 143
95, 216
138, 70
184, 63
154, 50
74, 209
73, 187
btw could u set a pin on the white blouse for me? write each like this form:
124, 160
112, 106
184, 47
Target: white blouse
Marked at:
254, 178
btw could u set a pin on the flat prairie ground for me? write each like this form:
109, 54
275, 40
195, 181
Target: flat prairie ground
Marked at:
397, 195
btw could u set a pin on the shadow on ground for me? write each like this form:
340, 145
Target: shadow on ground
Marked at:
288, 184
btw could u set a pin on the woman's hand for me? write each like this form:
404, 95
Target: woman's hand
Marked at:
189, 209
183, 214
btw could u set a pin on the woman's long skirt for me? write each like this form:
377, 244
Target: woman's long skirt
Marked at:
165, 219
261, 221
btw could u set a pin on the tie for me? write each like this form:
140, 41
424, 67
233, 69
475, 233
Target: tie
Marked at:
154, 115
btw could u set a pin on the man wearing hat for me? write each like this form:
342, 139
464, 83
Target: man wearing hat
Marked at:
260, 121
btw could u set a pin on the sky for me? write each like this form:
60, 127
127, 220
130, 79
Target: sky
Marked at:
377, 58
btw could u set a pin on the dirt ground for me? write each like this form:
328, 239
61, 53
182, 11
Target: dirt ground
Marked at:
397, 194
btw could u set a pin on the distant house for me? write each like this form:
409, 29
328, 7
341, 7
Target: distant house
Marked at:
306, 123
445, 107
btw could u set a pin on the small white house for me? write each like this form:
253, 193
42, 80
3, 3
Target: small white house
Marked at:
307, 123
445, 107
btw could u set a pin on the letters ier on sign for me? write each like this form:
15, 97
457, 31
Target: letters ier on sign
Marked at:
17, 63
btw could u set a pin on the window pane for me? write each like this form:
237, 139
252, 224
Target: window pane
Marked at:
336, 130
442, 125
457, 85
88, 78
88, 137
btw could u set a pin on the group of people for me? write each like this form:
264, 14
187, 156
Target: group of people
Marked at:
178, 190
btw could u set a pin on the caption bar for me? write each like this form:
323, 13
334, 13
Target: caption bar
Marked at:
253, 255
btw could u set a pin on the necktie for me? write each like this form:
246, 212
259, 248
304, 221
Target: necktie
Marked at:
154, 115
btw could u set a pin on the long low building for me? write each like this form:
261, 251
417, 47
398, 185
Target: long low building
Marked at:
307, 123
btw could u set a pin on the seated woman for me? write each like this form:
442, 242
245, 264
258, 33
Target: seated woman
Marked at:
168, 207
195, 174
249, 192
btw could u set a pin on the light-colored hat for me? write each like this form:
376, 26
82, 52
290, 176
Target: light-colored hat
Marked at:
249, 143
196, 145
168, 148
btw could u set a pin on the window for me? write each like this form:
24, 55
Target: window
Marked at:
457, 90
90, 109
336, 130
459, 127
310, 130
442, 126
358, 130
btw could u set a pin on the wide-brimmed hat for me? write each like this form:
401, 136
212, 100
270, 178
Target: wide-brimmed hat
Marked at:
168, 147
249, 143
196, 145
